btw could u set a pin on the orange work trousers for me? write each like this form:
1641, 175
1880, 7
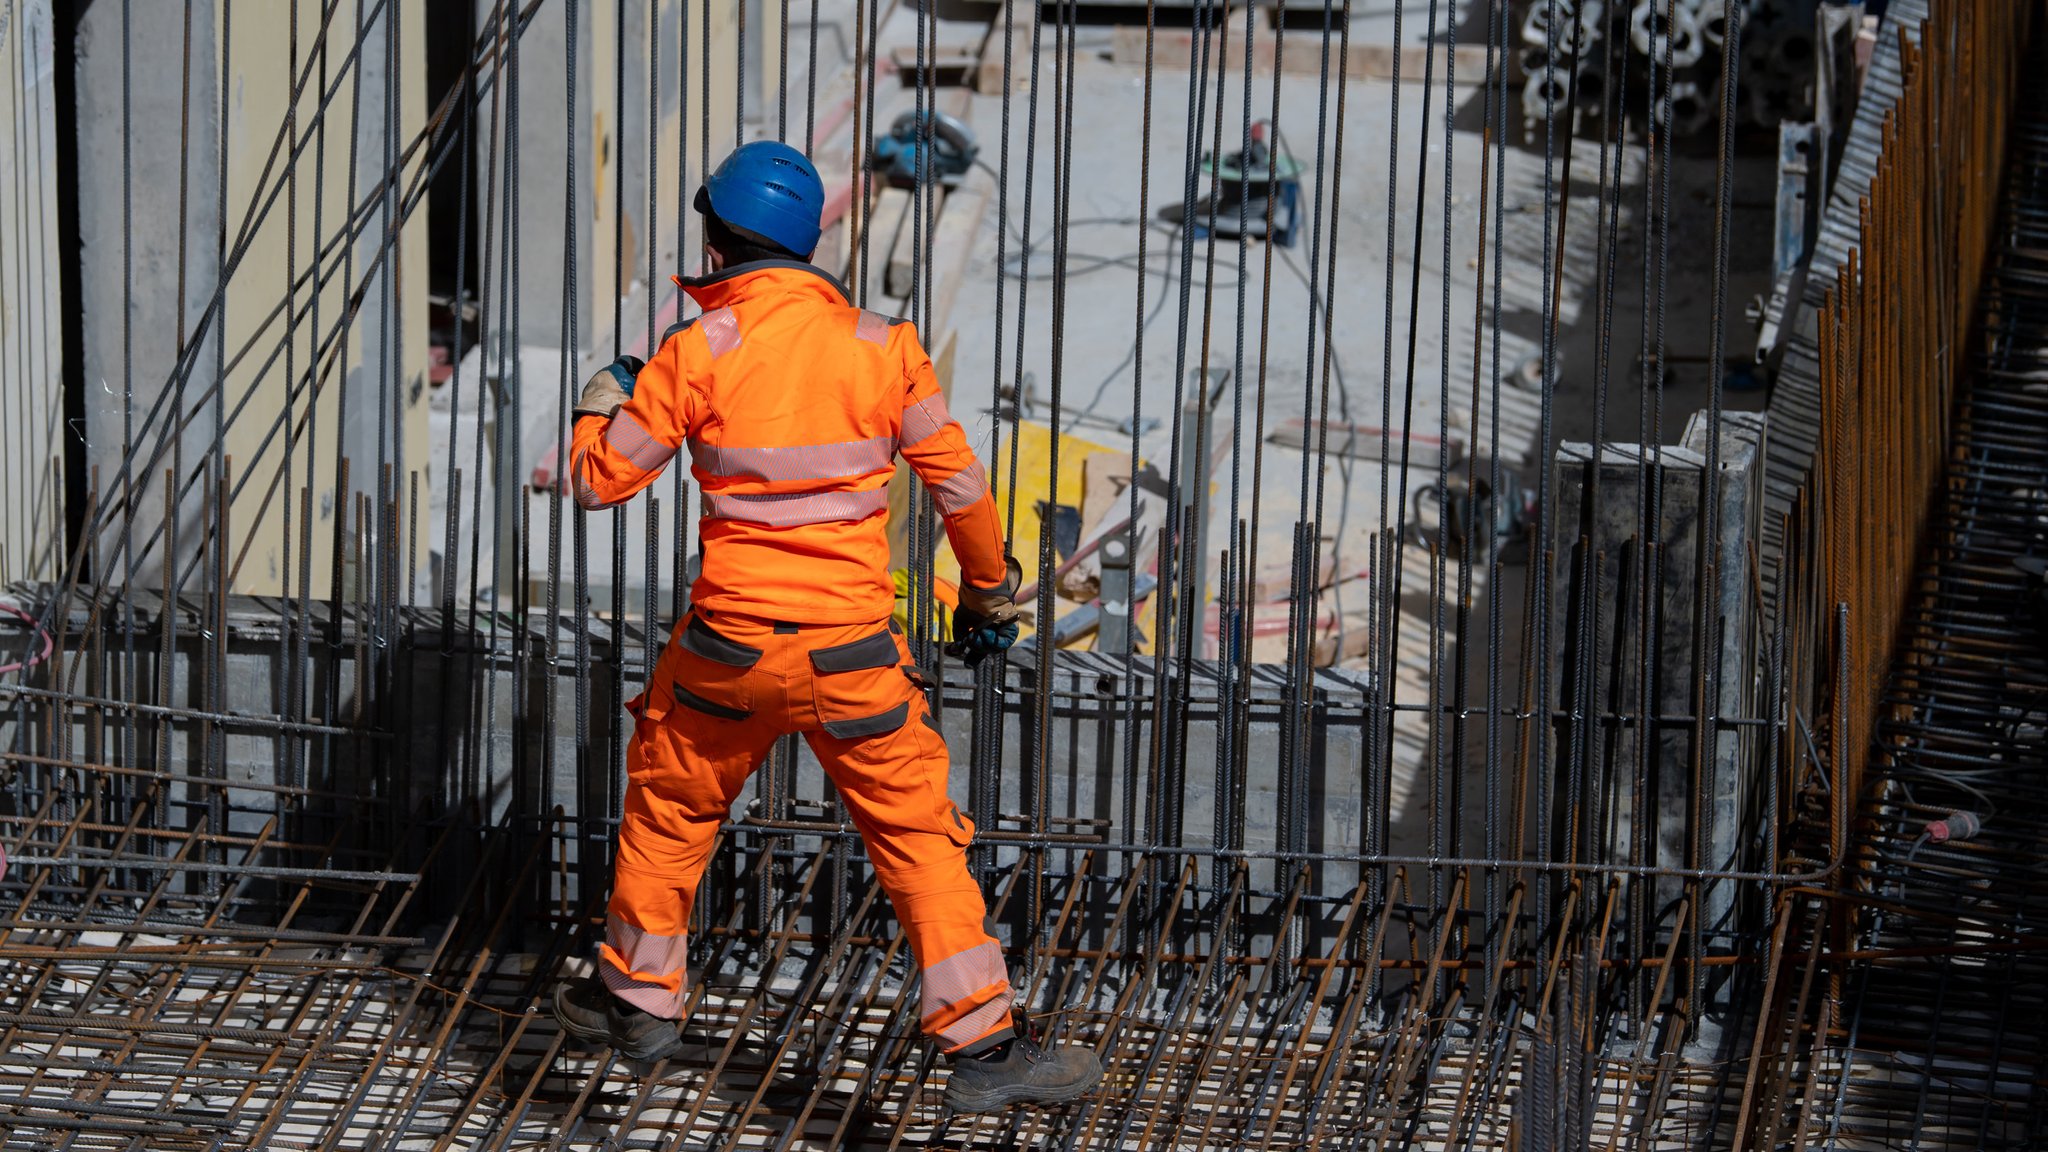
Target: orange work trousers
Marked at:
724, 689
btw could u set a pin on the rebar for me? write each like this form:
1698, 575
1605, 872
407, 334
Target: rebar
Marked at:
1325, 845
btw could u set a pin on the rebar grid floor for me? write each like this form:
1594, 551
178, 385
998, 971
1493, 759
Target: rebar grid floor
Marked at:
192, 1030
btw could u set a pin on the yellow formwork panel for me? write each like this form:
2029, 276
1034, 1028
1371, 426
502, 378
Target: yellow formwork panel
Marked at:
1034, 449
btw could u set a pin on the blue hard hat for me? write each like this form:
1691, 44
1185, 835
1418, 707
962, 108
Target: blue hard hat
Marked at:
769, 189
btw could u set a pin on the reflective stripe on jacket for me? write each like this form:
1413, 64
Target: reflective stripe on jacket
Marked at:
793, 406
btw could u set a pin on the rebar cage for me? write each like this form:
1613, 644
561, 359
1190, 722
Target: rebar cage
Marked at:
313, 736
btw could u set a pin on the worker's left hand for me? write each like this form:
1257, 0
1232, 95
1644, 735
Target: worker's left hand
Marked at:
610, 387
985, 623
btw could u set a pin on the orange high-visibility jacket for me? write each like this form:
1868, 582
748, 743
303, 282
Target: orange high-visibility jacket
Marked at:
794, 405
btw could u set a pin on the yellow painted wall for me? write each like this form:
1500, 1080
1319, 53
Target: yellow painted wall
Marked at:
261, 71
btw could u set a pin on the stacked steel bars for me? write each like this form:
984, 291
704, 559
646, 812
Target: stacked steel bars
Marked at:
1926, 1026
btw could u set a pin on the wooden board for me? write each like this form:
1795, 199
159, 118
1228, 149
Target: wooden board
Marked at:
1105, 511
988, 76
1034, 458
944, 64
953, 242
890, 218
899, 275
1362, 442
1175, 48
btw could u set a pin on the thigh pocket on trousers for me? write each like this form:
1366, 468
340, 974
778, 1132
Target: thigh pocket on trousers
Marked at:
712, 672
858, 691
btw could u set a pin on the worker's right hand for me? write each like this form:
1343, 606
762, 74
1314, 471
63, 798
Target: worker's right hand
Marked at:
610, 387
985, 623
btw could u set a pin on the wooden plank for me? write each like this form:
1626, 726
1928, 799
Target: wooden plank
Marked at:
899, 276
1362, 442
953, 243
988, 76
1376, 62
1175, 48
1106, 510
890, 217
945, 64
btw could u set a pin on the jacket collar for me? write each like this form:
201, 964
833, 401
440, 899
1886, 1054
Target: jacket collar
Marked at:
761, 277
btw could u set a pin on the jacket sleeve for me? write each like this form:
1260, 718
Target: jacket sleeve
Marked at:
936, 447
611, 459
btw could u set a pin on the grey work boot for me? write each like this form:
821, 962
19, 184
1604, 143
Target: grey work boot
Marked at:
588, 1011
1022, 1073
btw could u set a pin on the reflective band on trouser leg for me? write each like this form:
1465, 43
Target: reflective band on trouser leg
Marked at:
645, 969
966, 995
682, 771
893, 784
789, 509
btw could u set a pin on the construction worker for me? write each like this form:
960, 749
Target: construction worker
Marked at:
793, 405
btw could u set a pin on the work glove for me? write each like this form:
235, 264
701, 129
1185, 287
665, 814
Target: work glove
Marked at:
610, 387
985, 623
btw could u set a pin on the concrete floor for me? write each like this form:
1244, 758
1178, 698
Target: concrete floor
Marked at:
1402, 367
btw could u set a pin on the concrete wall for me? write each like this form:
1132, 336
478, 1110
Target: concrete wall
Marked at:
516, 376
154, 225
1688, 810
608, 144
31, 407
150, 347
540, 148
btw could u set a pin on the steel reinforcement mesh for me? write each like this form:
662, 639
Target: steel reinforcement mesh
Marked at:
302, 871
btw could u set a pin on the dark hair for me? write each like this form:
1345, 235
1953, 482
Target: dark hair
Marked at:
739, 246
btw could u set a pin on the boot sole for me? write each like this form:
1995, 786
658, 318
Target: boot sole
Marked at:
644, 1067
995, 1099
